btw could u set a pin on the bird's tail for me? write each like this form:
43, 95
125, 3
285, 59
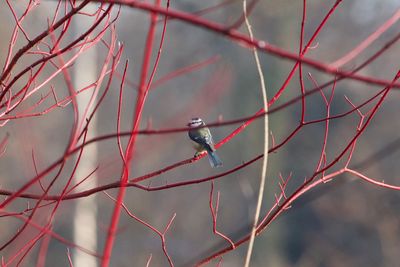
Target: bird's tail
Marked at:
214, 160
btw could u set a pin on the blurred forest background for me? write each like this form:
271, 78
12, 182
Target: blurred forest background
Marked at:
344, 222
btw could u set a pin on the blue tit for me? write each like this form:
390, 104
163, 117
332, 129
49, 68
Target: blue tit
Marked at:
202, 136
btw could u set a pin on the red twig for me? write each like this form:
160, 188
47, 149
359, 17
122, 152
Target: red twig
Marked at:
370, 39
36, 40
214, 214
152, 228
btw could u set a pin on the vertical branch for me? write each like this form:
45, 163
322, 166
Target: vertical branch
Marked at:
43, 250
305, 49
141, 98
302, 89
266, 130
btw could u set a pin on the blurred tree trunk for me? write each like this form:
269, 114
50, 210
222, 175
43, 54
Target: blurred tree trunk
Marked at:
85, 222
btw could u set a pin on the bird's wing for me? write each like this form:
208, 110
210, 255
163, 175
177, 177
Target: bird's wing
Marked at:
194, 137
209, 141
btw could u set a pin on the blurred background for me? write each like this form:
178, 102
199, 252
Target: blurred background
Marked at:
345, 222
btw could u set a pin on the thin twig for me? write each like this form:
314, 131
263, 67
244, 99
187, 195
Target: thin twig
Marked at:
266, 131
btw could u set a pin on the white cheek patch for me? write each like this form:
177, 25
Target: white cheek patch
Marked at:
195, 124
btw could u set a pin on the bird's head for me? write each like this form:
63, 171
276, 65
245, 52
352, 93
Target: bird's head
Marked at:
195, 122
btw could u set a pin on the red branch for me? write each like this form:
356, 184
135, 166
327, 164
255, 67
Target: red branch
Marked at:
309, 183
243, 38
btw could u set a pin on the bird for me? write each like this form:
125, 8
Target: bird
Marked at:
202, 136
